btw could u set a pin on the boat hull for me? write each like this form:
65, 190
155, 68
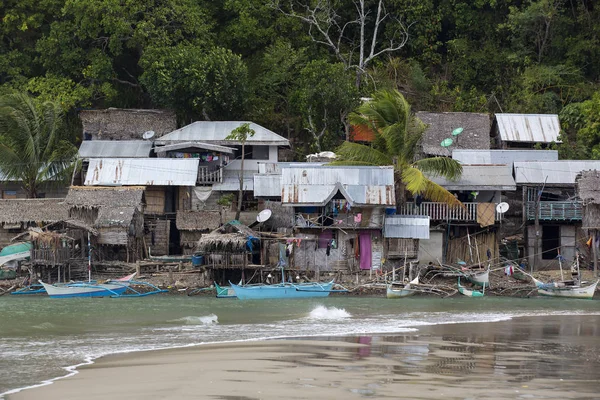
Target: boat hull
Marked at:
585, 292
392, 293
61, 291
224, 292
480, 279
282, 291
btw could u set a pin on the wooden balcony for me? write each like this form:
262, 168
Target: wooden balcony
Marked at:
556, 210
50, 256
207, 175
443, 211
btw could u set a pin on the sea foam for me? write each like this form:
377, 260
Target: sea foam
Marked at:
322, 312
199, 320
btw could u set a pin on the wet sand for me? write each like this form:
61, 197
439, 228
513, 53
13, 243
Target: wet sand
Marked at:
526, 358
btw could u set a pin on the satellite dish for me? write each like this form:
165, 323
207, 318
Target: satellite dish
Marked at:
501, 208
148, 135
447, 142
263, 215
457, 131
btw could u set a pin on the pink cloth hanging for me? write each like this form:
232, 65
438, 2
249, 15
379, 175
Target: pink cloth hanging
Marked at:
365, 250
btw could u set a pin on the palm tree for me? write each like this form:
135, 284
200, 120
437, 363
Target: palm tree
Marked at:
33, 148
241, 134
397, 135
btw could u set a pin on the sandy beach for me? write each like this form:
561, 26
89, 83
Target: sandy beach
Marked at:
540, 357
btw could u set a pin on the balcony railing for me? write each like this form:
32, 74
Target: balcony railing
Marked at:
50, 256
556, 210
354, 220
206, 175
444, 212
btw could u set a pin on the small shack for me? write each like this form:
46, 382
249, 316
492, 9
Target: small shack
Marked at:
117, 214
193, 224
17, 215
230, 250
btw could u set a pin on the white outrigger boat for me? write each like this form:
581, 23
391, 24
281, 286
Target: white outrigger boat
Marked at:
469, 293
396, 290
566, 289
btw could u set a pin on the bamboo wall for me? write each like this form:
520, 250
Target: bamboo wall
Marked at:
157, 236
188, 241
458, 249
155, 200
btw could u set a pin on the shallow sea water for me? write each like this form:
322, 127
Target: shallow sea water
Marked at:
41, 338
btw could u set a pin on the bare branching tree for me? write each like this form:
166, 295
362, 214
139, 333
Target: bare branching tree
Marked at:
354, 42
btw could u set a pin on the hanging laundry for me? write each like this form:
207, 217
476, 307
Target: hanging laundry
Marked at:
216, 158
209, 158
508, 270
358, 218
328, 248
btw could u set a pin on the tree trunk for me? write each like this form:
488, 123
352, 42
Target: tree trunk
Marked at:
241, 193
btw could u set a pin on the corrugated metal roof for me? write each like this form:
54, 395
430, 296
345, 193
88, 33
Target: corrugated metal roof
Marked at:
233, 184
267, 185
532, 128
115, 149
557, 172
142, 171
275, 167
194, 145
316, 185
406, 227
480, 177
216, 132
506, 157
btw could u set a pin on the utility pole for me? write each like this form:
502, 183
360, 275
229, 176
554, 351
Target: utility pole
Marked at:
538, 253
595, 252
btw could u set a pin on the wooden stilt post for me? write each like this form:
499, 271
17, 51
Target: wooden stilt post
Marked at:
595, 252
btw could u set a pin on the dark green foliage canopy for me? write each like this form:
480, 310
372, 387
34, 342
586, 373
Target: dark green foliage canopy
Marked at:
266, 61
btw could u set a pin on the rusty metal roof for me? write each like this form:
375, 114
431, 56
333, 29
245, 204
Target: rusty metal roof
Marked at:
314, 185
406, 226
561, 172
215, 132
142, 171
531, 128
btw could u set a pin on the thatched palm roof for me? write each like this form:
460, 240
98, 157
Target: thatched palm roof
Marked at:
588, 189
198, 220
475, 134
97, 196
114, 216
231, 238
123, 124
16, 211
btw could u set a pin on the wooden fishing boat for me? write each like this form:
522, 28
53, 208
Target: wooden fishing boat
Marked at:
566, 289
224, 292
283, 290
467, 292
121, 287
397, 290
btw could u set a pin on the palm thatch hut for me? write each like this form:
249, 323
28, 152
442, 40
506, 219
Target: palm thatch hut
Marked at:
116, 213
17, 215
192, 224
588, 189
126, 124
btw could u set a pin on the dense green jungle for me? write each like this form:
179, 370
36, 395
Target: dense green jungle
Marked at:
300, 67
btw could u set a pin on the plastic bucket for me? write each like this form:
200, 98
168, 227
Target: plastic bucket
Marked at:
197, 260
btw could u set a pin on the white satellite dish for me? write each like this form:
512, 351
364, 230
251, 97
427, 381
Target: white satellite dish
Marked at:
501, 208
148, 135
263, 215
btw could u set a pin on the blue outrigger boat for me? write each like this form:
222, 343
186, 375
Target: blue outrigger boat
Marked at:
283, 290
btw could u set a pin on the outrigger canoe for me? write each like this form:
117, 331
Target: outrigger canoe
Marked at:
398, 290
564, 289
224, 292
283, 290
